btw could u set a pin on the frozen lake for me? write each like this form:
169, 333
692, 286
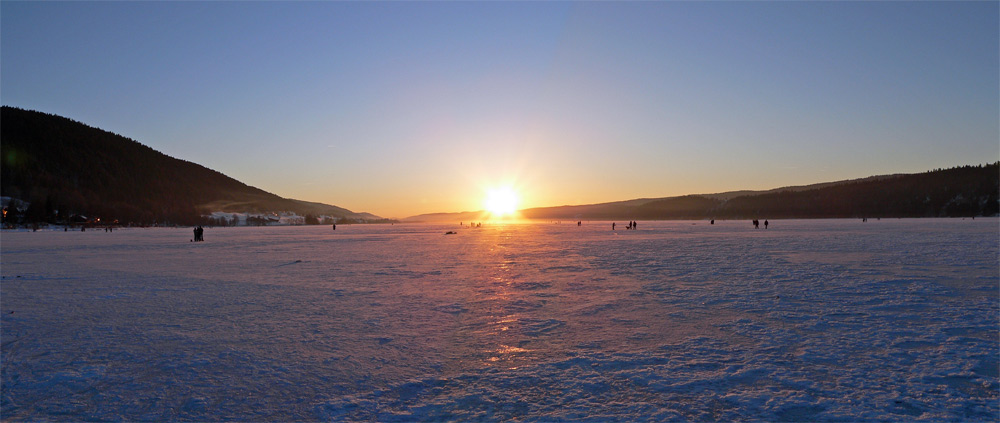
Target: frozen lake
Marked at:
808, 320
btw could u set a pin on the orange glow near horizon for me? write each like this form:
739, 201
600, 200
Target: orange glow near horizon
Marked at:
501, 202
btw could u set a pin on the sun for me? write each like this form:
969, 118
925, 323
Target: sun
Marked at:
501, 201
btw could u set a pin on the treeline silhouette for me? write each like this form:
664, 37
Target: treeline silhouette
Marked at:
957, 192
65, 170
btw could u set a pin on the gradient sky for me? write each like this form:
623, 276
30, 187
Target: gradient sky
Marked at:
406, 108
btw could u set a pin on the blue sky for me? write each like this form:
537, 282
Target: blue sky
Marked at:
405, 108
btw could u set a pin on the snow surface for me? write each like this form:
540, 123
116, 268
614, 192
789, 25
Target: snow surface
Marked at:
808, 320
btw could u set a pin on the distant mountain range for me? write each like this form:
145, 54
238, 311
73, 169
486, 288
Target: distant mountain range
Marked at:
956, 192
64, 168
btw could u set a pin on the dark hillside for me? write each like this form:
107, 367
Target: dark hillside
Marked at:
686, 207
65, 167
590, 211
957, 192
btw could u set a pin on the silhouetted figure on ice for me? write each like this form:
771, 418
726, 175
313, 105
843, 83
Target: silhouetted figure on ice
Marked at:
765, 223
756, 224
334, 226
612, 226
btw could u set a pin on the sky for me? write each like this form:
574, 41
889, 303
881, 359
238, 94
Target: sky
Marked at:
403, 108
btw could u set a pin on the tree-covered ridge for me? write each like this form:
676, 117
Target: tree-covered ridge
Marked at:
957, 192
65, 168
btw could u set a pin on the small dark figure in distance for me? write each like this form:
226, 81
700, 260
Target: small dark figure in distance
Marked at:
612, 226
712, 222
756, 224
334, 226
634, 224
765, 223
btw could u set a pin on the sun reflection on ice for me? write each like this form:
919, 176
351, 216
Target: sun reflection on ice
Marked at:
501, 342
507, 353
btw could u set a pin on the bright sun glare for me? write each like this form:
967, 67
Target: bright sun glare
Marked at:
501, 201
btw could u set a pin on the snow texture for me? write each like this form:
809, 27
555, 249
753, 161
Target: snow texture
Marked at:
809, 320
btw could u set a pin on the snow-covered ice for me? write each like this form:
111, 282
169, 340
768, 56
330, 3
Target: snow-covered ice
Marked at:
807, 320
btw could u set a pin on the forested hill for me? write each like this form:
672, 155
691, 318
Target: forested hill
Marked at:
957, 192
62, 166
